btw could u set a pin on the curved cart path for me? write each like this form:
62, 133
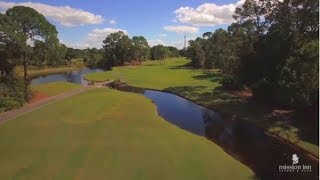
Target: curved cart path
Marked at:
4, 117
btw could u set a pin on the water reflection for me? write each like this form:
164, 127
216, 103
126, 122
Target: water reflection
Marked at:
243, 141
72, 76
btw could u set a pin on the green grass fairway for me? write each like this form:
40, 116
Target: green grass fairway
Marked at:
55, 88
154, 75
201, 87
107, 134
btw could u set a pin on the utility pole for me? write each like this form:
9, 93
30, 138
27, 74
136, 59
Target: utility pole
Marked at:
185, 43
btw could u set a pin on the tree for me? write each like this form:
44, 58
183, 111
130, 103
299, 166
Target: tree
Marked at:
159, 52
10, 45
206, 35
12, 88
33, 26
117, 49
93, 58
219, 51
196, 53
173, 51
141, 48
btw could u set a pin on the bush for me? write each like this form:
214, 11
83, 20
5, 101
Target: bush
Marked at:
12, 93
263, 90
230, 82
8, 103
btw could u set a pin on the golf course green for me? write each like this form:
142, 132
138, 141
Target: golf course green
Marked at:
107, 134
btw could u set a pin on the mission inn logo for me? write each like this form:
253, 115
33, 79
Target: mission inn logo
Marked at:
295, 166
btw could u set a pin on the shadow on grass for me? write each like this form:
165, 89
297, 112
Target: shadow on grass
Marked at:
286, 126
184, 66
212, 76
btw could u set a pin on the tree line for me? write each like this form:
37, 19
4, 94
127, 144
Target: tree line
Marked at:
272, 48
119, 49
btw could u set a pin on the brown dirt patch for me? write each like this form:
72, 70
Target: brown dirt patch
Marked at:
37, 96
244, 94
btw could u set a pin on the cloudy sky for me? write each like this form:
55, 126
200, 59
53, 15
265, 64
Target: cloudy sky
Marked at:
86, 23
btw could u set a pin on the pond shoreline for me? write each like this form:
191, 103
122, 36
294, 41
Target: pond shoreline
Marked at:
223, 114
35, 73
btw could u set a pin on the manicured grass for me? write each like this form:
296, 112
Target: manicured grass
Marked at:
201, 87
55, 88
155, 75
107, 134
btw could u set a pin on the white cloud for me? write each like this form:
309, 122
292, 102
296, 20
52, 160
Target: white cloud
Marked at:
95, 38
65, 15
181, 29
154, 42
207, 14
162, 35
112, 21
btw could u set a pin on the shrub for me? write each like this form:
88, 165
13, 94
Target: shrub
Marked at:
12, 93
230, 82
8, 103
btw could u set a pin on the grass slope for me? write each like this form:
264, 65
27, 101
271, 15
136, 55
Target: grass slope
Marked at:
201, 87
55, 88
106, 134
34, 71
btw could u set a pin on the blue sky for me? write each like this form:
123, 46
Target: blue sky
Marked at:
86, 23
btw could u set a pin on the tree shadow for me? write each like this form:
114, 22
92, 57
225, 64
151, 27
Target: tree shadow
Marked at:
151, 65
308, 123
212, 76
184, 66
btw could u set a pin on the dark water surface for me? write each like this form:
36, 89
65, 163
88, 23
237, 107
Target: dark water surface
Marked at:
72, 76
243, 141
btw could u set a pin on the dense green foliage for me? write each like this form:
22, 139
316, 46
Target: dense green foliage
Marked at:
12, 93
140, 49
272, 48
92, 57
49, 54
30, 25
119, 49
26, 38
159, 52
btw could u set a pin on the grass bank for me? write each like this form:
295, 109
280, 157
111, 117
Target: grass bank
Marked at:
203, 88
55, 88
107, 134
34, 71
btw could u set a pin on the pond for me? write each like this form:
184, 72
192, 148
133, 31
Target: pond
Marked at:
72, 76
266, 155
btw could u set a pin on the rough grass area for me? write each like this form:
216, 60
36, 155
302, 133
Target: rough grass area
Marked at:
55, 88
107, 134
36, 71
203, 88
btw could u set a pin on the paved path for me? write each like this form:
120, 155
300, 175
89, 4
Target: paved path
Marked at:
4, 117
